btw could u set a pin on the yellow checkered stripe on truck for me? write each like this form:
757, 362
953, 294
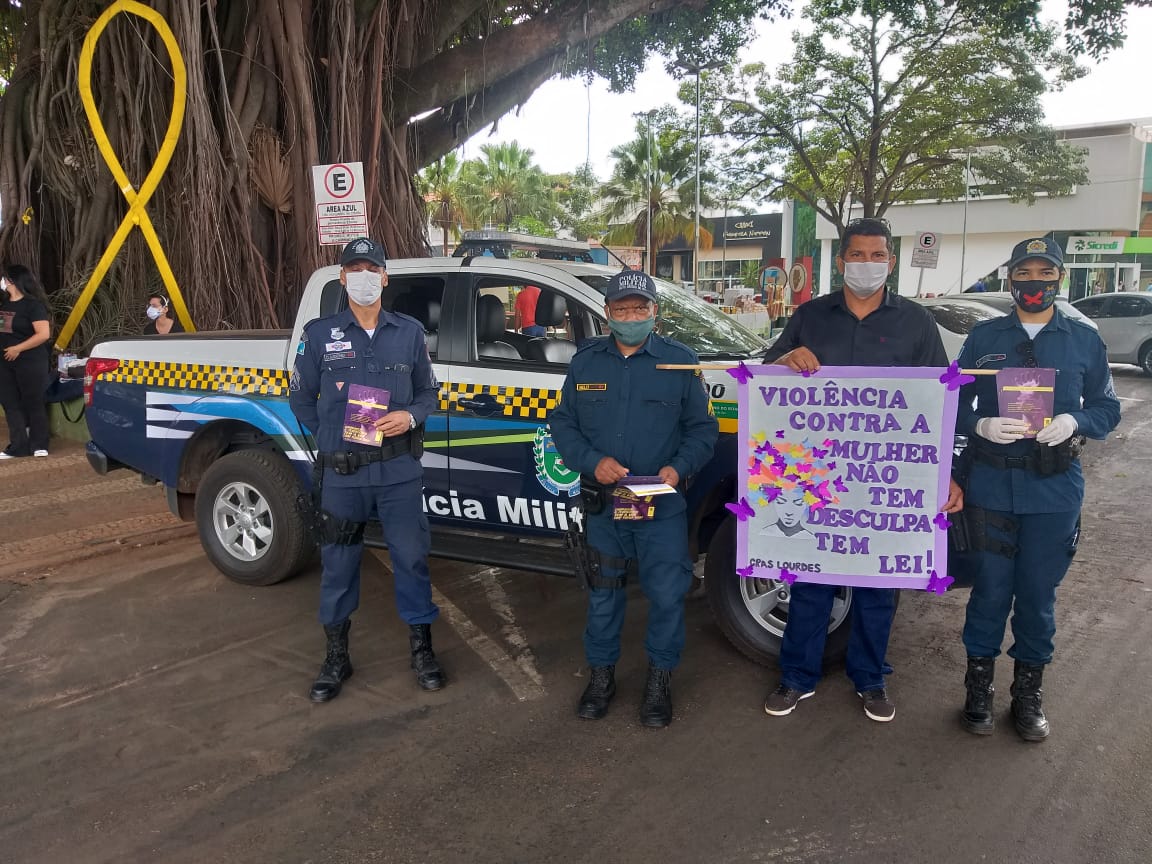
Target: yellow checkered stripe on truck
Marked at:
529, 403
187, 376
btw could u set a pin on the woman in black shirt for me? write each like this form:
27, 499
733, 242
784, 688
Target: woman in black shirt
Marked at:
24, 374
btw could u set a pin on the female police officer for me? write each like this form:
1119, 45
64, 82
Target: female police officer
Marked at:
368, 346
1024, 494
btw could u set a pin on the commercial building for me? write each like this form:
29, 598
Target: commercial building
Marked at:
1105, 225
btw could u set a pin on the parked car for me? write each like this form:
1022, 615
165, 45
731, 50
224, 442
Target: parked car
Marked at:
1003, 301
1125, 323
955, 317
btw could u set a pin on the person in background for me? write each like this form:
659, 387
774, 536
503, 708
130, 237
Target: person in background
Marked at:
526, 312
1026, 492
977, 287
24, 374
160, 320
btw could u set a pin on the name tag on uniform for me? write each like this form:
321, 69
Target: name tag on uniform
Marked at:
585, 387
340, 355
338, 346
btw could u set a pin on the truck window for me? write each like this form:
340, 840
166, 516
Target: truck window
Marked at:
418, 297
526, 322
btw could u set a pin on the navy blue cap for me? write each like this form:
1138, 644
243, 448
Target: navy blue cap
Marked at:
363, 249
628, 283
1038, 247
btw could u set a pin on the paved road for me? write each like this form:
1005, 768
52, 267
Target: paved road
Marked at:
150, 710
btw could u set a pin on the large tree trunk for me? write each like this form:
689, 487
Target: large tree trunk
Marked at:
274, 87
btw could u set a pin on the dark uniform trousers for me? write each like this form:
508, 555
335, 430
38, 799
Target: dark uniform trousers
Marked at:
23, 385
407, 535
660, 547
1045, 543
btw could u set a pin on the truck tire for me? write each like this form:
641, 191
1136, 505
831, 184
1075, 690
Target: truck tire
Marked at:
752, 612
249, 523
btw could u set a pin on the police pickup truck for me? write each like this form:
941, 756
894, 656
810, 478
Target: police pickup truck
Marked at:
207, 416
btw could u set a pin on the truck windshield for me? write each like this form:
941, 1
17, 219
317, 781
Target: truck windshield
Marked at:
699, 325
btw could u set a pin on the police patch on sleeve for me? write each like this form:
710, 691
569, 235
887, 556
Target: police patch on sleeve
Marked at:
294, 381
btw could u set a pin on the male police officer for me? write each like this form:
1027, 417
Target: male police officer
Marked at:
620, 415
368, 346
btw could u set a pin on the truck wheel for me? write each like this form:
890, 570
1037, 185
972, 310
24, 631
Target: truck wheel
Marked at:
1146, 359
752, 612
248, 520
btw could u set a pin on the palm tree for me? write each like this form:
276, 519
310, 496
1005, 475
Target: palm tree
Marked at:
631, 202
443, 190
512, 185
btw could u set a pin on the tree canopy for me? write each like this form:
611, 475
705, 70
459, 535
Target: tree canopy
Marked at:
876, 108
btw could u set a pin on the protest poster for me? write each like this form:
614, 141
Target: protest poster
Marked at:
843, 474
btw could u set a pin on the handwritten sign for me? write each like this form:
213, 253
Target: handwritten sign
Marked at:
843, 475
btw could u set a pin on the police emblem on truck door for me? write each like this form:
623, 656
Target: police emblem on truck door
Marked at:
551, 471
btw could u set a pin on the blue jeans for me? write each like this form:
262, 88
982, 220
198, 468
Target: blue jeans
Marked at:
399, 509
661, 548
1024, 585
534, 330
802, 649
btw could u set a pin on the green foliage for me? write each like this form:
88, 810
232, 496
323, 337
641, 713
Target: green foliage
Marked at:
669, 200
750, 274
882, 108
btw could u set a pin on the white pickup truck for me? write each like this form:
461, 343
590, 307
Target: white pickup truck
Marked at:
207, 416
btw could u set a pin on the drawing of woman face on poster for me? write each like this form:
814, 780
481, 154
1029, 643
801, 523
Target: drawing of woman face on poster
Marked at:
791, 514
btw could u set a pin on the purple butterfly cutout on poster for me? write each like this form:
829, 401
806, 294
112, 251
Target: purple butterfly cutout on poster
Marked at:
941, 522
771, 494
779, 433
937, 583
787, 576
954, 378
745, 572
741, 373
742, 510
838, 485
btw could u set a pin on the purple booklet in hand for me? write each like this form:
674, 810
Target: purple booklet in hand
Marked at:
366, 405
629, 507
1027, 394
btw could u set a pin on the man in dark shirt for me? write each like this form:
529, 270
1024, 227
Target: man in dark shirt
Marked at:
863, 325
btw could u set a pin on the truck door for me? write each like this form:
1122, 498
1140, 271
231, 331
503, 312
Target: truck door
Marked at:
503, 464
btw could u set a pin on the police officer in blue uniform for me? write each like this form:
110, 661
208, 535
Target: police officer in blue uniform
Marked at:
368, 346
1024, 494
619, 415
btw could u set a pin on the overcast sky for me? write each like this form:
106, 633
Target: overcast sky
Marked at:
555, 122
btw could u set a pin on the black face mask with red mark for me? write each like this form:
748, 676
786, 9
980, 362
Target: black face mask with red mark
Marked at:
1035, 295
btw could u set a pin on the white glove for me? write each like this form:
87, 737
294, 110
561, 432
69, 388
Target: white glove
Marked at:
1060, 429
1001, 430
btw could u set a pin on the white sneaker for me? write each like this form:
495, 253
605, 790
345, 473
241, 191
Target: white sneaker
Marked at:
6, 455
40, 453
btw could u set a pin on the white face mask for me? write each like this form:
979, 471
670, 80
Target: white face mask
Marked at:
363, 286
865, 278
153, 312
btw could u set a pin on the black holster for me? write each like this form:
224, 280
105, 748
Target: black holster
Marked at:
969, 532
588, 562
326, 529
593, 495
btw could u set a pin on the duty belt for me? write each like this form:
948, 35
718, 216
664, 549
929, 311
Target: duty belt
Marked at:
1043, 460
350, 461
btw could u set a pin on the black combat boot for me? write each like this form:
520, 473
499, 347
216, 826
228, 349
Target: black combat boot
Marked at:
337, 666
429, 675
1027, 702
656, 709
598, 694
976, 715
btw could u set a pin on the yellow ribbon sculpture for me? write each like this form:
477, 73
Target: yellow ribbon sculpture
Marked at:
137, 199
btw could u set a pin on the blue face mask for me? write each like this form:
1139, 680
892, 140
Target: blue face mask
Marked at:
632, 333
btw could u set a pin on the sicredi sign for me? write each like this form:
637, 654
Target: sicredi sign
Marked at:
1095, 246
341, 211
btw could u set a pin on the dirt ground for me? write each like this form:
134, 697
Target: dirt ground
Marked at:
151, 710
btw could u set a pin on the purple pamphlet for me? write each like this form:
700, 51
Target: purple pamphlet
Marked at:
366, 405
1027, 394
627, 506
